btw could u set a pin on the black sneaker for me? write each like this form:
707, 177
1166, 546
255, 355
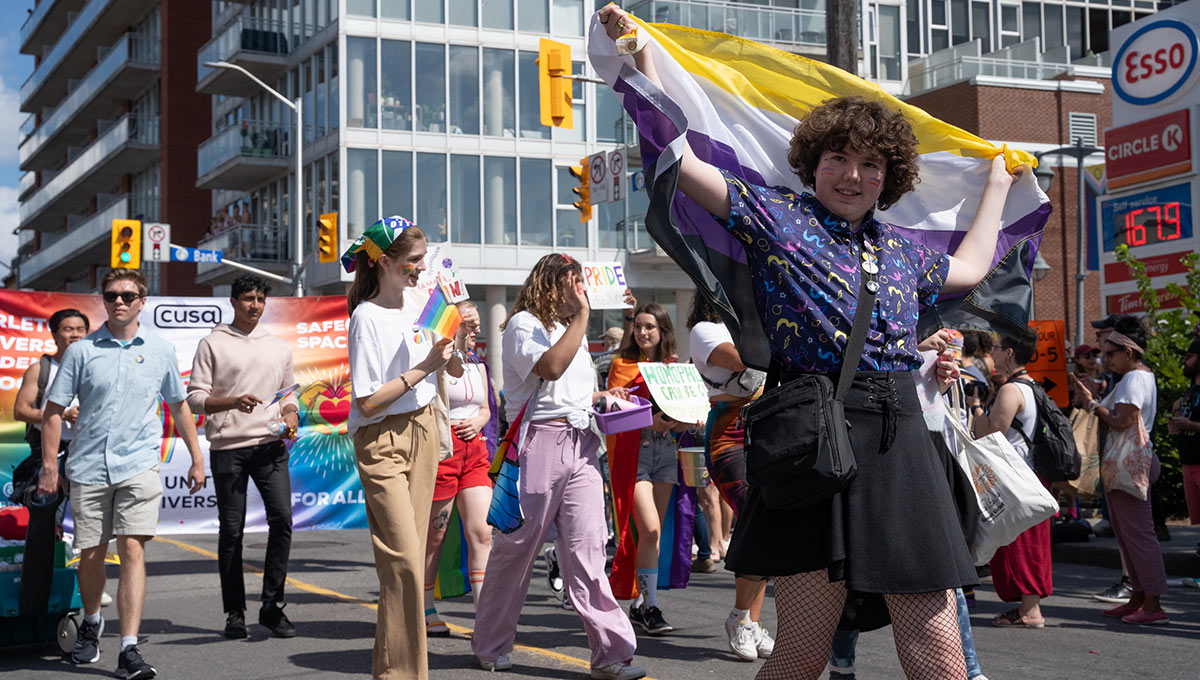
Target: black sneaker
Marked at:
655, 623
131, 665
87, 642
235, 625
1117, 593
272, 616
637, 615
1162, 533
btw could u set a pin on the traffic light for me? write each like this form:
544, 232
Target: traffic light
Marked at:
584, 190
126, 244
555, 87
327, 238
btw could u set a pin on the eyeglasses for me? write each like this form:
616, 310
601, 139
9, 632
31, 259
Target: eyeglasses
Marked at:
127, 297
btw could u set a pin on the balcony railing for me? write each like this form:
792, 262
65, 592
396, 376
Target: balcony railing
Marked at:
35, 19
252, 139
66, 43
132, 48
245, 34
129, 129
27, 128
801, 26
248, 243
59, 249
965, 68
28, 182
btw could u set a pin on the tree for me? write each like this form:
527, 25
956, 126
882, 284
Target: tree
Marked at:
1170, 333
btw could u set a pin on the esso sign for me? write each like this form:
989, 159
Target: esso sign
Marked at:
1155, 62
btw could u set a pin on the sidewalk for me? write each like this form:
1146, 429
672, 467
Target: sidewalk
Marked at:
1179, 554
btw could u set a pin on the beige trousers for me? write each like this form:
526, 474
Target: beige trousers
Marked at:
397, 463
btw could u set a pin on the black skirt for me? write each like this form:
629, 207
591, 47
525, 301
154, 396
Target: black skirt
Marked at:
895, 529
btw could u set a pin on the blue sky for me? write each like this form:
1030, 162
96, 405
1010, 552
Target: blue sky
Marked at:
14, 69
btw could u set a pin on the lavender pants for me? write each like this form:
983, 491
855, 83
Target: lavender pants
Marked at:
560, 486
1133, 524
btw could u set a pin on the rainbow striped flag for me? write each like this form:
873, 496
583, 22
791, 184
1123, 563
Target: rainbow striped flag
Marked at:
439, 315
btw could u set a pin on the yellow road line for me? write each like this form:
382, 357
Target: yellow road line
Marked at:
318, 590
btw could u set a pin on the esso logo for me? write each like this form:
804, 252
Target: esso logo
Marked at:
1155, 62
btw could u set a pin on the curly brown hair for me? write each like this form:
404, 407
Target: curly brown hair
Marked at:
855, 123
702, 310
543, 292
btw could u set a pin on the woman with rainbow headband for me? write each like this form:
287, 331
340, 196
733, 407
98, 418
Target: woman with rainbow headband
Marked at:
396, 440
548, 373
890, 534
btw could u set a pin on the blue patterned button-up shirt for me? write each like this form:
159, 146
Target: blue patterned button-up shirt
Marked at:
805, 265
119, 430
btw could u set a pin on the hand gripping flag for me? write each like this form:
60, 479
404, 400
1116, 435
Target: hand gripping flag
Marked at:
504, 512
736, 103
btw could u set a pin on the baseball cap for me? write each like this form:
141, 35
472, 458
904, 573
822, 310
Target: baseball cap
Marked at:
1109, 321
1084, 350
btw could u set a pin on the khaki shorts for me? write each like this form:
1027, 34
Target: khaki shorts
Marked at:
129, 508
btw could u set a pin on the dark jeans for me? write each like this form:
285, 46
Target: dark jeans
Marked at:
267, 465
701, 535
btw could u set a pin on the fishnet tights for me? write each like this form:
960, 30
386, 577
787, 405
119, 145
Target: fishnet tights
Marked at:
925, 627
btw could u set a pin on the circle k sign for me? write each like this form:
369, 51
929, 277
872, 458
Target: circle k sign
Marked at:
1155, 62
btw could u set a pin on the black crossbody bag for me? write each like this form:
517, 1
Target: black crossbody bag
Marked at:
797, 437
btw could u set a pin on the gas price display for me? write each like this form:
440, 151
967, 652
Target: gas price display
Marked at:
1148, 217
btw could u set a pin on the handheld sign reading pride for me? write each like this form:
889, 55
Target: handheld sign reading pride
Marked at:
678, 390
439, 315
606, 285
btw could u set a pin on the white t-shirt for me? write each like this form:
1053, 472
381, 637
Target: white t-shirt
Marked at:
525, 341
68, 430
468, 393
1026, 418
1137, 388
384, 343
705, 337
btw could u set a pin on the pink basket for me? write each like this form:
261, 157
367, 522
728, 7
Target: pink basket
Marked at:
616, 422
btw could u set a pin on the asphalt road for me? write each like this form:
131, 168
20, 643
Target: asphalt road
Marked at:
331, 602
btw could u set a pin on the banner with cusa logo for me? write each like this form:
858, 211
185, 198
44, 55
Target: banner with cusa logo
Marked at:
326, 493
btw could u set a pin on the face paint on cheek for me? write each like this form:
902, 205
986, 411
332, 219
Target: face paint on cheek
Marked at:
873, 181
826, 171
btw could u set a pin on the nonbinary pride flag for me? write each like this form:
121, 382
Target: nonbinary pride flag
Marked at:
737, 102
439, 315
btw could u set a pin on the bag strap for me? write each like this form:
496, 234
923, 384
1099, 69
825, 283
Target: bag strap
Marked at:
867, 287
43, 379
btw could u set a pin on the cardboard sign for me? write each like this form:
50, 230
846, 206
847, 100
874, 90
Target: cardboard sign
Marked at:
678, 390
606, 285
439, 271
1049, 365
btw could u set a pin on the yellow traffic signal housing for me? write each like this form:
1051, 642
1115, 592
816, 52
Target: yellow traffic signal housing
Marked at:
584, 190
126, 244
327, 238
555, 87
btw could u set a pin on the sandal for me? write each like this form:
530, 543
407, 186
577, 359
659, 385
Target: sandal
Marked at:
435, 627
1012, 618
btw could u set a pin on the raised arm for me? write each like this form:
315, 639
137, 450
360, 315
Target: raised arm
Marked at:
973, 258
699, 181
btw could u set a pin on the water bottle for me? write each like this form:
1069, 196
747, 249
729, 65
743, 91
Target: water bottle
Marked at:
277, 427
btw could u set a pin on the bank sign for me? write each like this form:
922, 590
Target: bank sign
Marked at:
1155, 62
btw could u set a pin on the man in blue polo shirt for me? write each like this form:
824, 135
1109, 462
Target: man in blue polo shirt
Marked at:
118, 373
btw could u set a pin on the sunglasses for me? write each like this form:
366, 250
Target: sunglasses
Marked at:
126, 297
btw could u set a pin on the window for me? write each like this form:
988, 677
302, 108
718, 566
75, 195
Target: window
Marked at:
499, 93
432, 11
464, 199
530, 113
395, 62
498, 14
960, 26
1031, 21
981, 24
568, 17
536, 212
578, 133
463, 12
430, 107
394, 9
610, 117
464, 90
360, 52
398, 182
431, 195
914, 28
1097, 30
1054, 26
362, 8
332, 52
569, 232
500, 190
362, 203
533, 16
1075, 19
610, 218
322, 92
889, 41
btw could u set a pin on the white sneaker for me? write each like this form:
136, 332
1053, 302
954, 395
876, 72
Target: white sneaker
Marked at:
105, 599
743, 638
766, 643
618, 671
500, 663
1190, 582
553, 574
979, 677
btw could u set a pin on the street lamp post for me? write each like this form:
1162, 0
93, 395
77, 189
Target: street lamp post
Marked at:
1079, 152
298, 141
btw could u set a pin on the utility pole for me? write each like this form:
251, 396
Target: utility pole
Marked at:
841, 34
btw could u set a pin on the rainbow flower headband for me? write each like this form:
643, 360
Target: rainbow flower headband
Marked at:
376, 239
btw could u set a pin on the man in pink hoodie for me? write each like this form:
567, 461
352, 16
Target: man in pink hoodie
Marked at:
236, 372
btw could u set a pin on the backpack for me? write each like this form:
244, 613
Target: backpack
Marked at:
1055, 457
33, 434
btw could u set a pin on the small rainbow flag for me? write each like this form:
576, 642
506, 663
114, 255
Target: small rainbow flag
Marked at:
439, 315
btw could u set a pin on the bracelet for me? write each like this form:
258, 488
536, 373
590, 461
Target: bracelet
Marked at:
632, 42
407, 384
628, 319
1091, 406
976, 407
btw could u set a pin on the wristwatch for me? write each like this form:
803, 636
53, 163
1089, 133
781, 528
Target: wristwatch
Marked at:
976, 407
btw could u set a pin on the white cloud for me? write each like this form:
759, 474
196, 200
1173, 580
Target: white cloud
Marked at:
11, 118
10, 217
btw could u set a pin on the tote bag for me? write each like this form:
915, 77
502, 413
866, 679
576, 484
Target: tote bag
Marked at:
1127, 461
1086, 427
1011, 497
